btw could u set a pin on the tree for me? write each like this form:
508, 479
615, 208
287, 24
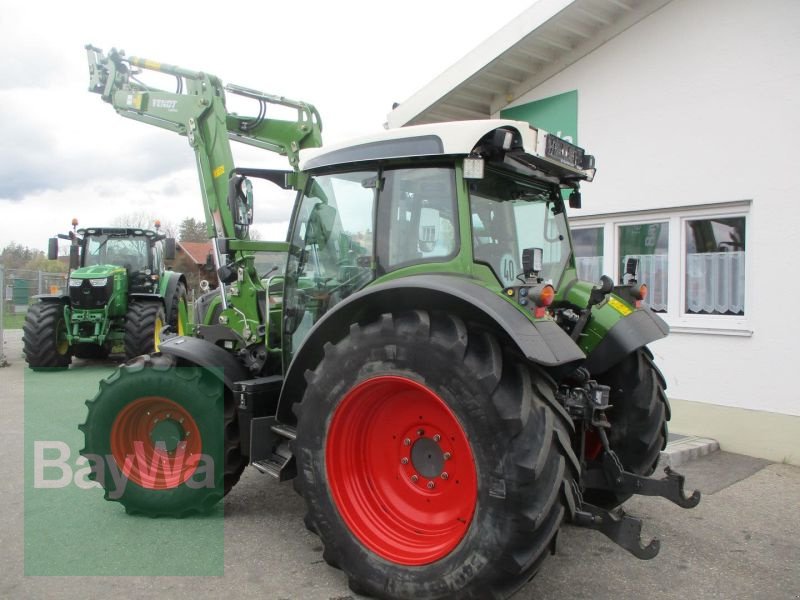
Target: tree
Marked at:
143, 220
192, 231
14, 256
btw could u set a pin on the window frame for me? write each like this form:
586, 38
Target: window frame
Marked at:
679, 320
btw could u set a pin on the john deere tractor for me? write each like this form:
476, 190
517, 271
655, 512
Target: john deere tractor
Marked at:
119, 295
427, 367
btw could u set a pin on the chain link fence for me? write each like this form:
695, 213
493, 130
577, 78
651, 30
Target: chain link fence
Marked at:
17, 289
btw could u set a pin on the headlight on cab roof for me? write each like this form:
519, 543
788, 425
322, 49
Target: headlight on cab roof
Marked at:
99, 282
75, 282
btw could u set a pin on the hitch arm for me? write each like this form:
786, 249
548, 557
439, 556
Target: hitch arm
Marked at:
620, 528
613, 477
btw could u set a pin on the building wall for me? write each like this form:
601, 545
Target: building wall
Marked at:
695, 106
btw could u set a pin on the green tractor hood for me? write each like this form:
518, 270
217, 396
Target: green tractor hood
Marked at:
95, 272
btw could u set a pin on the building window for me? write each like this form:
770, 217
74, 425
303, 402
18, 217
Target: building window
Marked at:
693, 260
588, 247
649, 244
715, 260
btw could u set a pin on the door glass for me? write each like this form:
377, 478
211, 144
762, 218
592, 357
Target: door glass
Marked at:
331, 248
588, 246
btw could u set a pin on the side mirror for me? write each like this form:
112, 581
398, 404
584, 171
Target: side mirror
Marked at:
575, 199
240, 202
209, 266
169, 248
428, 229
532, 261
320, 224
52, 249
74, 257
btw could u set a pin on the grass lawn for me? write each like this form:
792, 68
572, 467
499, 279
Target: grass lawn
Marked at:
14, 321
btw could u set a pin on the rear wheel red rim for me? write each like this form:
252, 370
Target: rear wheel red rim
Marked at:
401, 470
156, 443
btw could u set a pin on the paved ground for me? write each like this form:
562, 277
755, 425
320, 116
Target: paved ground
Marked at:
742, 541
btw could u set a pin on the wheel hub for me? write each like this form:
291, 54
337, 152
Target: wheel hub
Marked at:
427, 458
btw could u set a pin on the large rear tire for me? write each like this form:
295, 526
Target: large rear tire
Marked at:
153, 400
639, 414
143, 324
433, 464
44, 337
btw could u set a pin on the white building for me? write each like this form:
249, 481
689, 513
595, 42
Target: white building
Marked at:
691, 108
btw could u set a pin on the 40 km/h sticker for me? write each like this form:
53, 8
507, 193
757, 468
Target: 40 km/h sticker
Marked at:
508, 269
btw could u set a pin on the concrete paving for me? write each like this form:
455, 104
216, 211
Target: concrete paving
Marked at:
742, 541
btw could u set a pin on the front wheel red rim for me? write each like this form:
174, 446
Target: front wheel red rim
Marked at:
156, 443
401, 470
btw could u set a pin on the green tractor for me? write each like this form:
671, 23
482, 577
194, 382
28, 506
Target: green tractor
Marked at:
120, 297
426, 365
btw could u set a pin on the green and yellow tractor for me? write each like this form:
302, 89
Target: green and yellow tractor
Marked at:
119, 298
426, 366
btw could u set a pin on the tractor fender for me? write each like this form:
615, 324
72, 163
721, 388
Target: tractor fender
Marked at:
541, 342
628, 334
173, 279
205, 354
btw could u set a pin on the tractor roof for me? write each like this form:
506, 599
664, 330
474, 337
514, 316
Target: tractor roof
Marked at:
436, 139
458, 138
117, 231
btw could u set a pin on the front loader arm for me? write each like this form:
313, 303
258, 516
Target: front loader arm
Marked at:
199, 113
196, 108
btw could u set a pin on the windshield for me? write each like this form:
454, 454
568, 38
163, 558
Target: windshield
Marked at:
508, 216
129, 252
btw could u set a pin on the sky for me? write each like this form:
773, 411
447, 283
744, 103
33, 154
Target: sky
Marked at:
65, 153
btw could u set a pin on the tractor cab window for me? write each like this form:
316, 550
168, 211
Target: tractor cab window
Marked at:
129, 252
420, 207
331, 247
510, 215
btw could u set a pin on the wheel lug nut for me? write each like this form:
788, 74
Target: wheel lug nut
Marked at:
431, 485
437, 437
404, 461
414, 478
406, 442
447, 455
420, 432
168, 416
444, 475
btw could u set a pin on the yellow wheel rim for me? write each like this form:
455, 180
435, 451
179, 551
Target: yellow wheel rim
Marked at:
157, 333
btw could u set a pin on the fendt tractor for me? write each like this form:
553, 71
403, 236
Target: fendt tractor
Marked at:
428, 368
120, 296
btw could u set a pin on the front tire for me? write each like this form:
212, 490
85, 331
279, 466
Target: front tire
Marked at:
150, 401
143, 323
178, 310
44, 337
418, 395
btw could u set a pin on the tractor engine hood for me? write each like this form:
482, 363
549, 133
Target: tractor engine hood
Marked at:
95, 272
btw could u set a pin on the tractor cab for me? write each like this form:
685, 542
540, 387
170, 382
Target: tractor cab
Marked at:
140, 252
